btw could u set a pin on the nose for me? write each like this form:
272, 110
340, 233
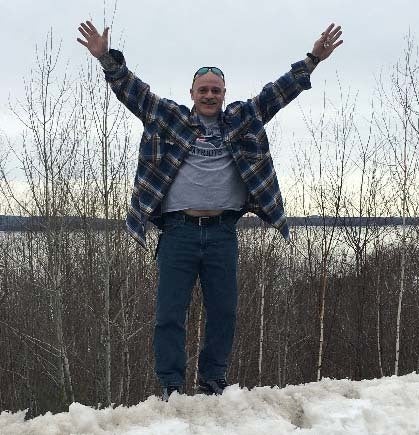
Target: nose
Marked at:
209, 94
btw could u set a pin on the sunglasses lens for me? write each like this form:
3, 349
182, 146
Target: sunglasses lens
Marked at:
217, 71
206, 69
202, 71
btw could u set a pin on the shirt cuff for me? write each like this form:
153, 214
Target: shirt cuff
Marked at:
108, 62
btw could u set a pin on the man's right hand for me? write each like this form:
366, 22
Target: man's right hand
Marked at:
97, 44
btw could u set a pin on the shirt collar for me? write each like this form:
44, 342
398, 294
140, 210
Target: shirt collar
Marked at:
194, 118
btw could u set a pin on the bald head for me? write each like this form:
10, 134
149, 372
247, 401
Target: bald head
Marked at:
208, 93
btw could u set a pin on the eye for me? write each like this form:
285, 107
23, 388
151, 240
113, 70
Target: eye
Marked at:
216, 91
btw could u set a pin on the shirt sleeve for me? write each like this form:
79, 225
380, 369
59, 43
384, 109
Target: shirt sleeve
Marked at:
131, 90
108, 62
274, 96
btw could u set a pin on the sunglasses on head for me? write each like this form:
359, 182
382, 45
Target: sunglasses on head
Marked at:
203, 70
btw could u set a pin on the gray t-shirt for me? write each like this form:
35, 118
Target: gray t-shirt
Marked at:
208, 178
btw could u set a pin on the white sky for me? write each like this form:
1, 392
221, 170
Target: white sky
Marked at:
252, 41
388, 406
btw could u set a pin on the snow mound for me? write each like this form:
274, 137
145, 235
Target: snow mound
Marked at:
381, 406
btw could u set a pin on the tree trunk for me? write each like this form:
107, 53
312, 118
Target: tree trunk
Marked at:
198, 346
262, 319
321, 320
378, 328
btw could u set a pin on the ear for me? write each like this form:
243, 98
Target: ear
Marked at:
191, 92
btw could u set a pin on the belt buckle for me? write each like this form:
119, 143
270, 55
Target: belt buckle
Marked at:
200, 218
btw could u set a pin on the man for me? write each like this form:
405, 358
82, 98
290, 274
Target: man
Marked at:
198, 172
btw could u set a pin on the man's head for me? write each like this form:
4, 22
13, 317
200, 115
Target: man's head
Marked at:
208, 91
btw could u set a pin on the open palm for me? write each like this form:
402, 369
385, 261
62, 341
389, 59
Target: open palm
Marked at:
97, 44
328, 42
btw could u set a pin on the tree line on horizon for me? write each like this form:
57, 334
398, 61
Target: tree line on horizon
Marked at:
77, 307
39, 223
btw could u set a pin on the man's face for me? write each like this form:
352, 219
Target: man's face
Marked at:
208, 93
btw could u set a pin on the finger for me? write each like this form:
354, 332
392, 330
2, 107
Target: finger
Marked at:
335, 37
337, 44
333, 47
92, 27
332, 37
84, 33
334, 31
86, 28
105, 33
82, 42
327, 31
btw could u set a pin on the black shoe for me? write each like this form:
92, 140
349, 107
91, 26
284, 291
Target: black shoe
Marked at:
216, 386
167, 391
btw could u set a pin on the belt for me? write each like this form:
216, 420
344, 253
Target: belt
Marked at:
202, 221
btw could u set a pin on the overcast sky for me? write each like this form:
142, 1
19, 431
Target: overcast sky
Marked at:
254, 42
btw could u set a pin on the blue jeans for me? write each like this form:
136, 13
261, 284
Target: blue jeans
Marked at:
187, 250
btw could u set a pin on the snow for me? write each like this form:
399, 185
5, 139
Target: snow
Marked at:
380, 406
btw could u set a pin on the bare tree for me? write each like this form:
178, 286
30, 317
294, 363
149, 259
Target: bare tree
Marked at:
331, 140
48, 160
105, 135
399, 129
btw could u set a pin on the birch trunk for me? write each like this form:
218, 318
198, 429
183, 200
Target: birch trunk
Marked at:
106, 313
403, 256
125, 374
379, 351
321, 321
262, 320
401, 292
107, 259
198, 346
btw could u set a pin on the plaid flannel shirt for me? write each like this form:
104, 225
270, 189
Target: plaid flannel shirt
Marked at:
171, 129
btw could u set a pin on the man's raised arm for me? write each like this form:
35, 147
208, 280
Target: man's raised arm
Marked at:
274, 96
128, 88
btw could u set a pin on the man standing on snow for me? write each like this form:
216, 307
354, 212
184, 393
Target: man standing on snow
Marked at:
198, 172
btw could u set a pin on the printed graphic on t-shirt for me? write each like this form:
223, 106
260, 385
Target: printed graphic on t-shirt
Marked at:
209, 145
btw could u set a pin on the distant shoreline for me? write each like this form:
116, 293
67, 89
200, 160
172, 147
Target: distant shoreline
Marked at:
39, 223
